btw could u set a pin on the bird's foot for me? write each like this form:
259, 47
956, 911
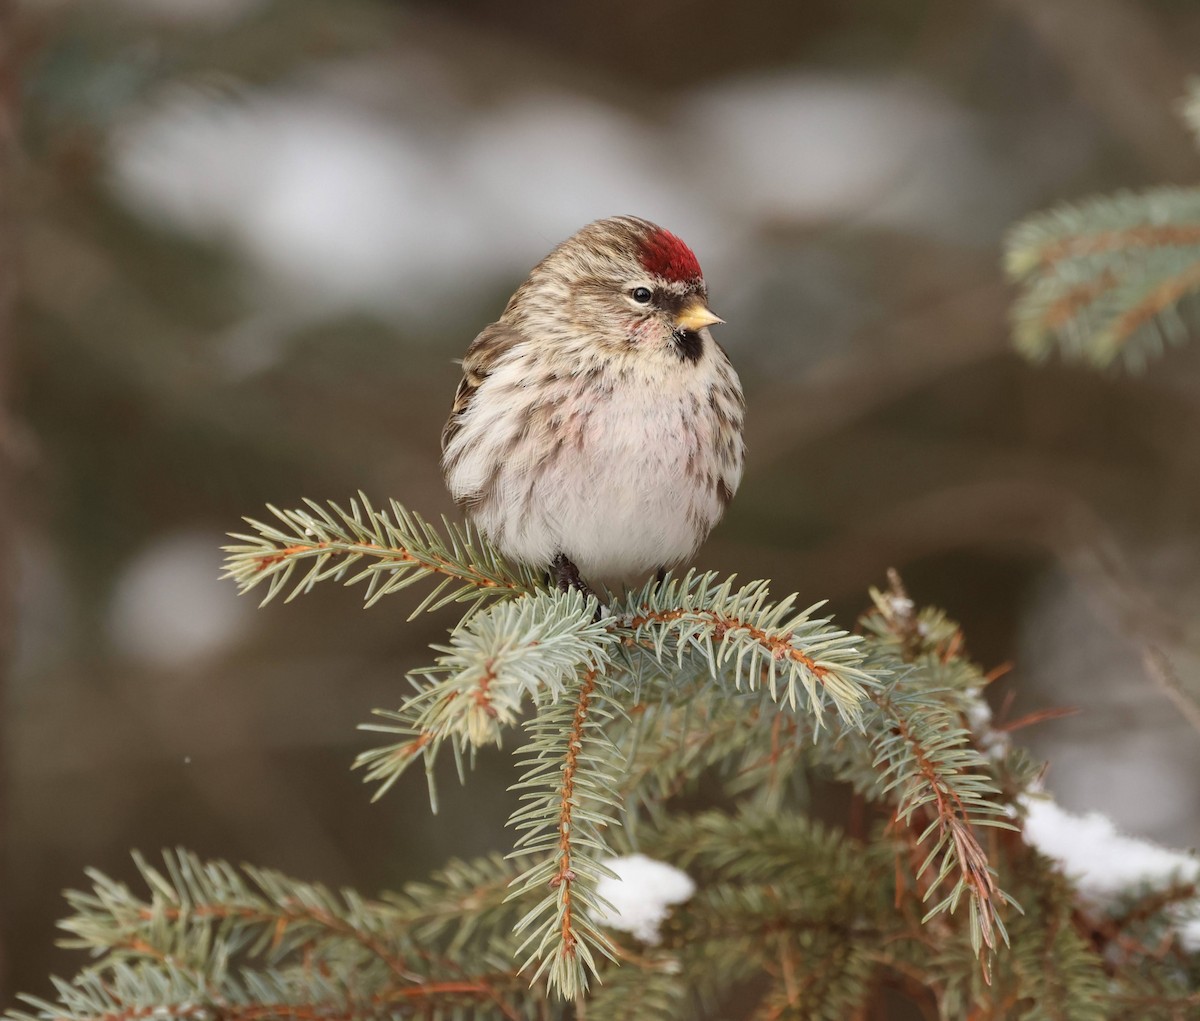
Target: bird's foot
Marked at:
565, 576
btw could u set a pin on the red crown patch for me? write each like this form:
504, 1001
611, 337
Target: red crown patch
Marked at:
666, 256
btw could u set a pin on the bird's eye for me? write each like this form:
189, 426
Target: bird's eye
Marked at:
641, 295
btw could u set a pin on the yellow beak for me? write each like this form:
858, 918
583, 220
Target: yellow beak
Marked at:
695, 316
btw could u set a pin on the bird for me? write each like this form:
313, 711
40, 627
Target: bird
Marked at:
597, 431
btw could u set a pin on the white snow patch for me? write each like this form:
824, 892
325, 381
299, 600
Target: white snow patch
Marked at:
1189, 934
541, 166
339, 206
1129, 754
979, 713
641, 894
804, 147
1103, 861
170, 607
995, 743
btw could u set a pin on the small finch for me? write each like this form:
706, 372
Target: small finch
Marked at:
597, 429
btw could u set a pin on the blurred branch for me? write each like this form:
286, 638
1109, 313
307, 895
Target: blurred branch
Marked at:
1122, 65
9, 93
908, 350
1160, 670
1111, 278
1097, 563
1011, 514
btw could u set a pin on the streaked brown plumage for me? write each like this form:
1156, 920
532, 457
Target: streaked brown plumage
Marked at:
597, 424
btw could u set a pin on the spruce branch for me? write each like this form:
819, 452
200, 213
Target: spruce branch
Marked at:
527, 650
800, 900
800, 659
941, 777
754, 749
463, 902
195, 903
1189, 107
212, 941
136, 992
520, 650
623, 709
757, 845
926, 760
657, 991
568, 784
914, 754
1108, 279
389, 550
1050, 963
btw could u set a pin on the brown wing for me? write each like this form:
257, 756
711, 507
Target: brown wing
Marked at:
481, 357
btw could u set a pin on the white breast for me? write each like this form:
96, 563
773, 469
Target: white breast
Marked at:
621, 476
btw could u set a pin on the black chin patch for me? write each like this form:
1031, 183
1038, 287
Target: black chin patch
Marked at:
689, 345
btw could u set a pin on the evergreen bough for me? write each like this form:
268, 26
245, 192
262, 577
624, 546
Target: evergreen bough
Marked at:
1113, 279
928, 889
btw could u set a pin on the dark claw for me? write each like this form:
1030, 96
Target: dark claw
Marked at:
565, 576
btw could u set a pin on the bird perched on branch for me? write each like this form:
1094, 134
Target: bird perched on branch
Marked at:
597, 429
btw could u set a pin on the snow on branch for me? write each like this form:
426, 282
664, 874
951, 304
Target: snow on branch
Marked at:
1109, 866
625, 704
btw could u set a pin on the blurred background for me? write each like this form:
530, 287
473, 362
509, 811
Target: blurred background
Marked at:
252, 236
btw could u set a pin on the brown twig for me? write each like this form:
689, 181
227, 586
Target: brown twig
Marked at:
564, 878
1160, 670
1098, 563
779, 646
1141, 236
1110, 934
954, 823
1069, 304
1124, 64
948, 808
288, 913
10, 93
482, 695
291, 912
1163, 296
387, 554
